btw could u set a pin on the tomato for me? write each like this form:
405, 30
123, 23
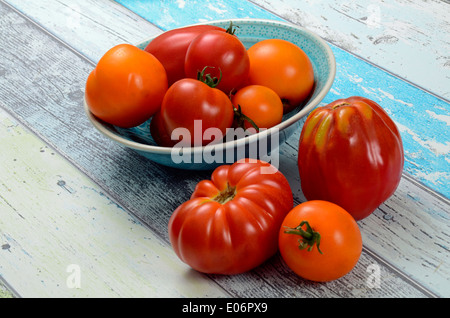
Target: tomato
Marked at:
350, 153
320, 241
259, 103
170, 48
224, 53
126, 87
230, 224
159, 132
193, 107
283, 67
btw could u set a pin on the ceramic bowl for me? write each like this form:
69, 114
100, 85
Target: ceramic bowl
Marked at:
263, 145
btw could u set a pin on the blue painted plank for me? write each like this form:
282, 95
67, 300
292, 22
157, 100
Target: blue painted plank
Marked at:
172, 14
422, 118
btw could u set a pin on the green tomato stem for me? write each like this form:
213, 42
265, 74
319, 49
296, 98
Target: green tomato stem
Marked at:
208, 79
241, 118
230, 29
226, 195
308, 239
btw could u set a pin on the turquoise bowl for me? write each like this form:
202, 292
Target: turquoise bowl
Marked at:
263, 145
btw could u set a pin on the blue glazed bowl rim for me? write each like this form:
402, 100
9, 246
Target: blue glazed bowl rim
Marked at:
311, 104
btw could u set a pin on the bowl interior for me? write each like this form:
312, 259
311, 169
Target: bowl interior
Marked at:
249, 31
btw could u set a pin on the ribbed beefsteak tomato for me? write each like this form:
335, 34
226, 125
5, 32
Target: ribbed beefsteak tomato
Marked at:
231, 223
350, 153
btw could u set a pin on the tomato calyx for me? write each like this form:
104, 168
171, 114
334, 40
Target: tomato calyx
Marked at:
285, 102
231, 29
226, 195
208, 79
308, 237
240, 118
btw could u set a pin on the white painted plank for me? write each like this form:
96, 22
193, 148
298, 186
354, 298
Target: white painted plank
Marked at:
90, 26
5, 291
56, 223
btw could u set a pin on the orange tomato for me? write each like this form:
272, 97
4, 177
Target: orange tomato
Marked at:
320, 241
283, 67
259, 103
126, 87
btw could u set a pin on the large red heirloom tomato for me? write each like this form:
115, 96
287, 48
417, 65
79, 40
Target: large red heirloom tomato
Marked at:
231, 223
350, 153
224, 53
171, 46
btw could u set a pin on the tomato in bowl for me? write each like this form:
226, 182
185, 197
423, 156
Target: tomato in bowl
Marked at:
264, 143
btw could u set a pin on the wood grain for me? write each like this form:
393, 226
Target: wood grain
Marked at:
67, 222
413, 109
91, 27
44, 93
409, 38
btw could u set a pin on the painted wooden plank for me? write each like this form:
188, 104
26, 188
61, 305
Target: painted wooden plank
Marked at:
69, 239
149, 191
120, 285
5, 291
116, 255
409, 38
414, 110
86, 24
172, 14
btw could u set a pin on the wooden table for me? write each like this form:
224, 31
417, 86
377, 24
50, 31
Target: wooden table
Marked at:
80, 216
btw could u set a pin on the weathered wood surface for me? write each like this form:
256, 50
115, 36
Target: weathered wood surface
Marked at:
66, 224
408, 38
413, 109
119, 234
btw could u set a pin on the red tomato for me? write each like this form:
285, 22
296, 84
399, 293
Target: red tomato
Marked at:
350, 153
320, 241
170, 48
283, 67
224, 53
259, 103
230, 225
126, 87
193, 107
